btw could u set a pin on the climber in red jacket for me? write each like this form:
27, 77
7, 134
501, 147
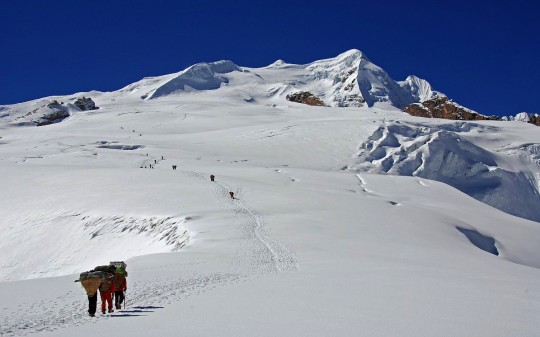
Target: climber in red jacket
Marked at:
106, 291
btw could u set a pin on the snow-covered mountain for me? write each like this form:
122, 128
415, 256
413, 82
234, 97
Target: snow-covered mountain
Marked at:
350, 79
363, 220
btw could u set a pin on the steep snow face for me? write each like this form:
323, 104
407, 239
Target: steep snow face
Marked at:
376, 86
202, 76
335, 79
522, 117
419, 89
443, 154
351, 79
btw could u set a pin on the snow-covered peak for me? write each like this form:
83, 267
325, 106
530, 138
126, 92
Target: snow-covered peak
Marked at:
352, 74
522, 117
349, 58
277, 64
419, 88
349, 79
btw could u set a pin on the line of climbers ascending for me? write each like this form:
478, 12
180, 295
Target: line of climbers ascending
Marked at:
109, 280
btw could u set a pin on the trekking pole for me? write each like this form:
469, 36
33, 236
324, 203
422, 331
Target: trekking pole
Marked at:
125, 300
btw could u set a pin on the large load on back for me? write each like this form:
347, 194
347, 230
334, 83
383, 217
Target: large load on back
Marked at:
91, 280
106, 269
91, 274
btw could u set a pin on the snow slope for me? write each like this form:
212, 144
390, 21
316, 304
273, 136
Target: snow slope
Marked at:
338, 226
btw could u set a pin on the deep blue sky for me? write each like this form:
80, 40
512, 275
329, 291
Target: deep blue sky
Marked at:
484, 55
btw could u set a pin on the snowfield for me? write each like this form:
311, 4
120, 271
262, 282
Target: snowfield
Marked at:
347, 221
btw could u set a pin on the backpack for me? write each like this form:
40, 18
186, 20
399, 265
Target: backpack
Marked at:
118, 280
106, 269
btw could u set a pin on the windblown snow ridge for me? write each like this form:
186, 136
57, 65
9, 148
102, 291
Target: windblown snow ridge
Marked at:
201, 76
440, 153
83, 241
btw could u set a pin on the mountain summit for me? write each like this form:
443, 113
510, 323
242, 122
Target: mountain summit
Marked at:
349, 79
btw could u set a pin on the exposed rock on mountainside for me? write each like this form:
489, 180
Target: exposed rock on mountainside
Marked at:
305, 97
54, 112
535, 119
85, 104
442, 107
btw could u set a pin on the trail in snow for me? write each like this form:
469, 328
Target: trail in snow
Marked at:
59, 308
259, 251
256, 255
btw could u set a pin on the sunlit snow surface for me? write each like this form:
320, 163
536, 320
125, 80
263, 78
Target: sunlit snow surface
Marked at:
337, 227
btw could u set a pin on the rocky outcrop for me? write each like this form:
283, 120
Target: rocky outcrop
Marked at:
305, 97
85, 104
53, 113
535, 119
53, 117
442, 107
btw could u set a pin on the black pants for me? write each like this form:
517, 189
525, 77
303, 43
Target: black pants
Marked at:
118, 298
92, 303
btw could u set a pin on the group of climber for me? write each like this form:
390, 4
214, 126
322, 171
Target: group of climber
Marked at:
213, 178
109, 280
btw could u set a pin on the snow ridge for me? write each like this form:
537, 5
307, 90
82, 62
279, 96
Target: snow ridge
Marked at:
419, 89
132, 235
347, 80
201, 76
